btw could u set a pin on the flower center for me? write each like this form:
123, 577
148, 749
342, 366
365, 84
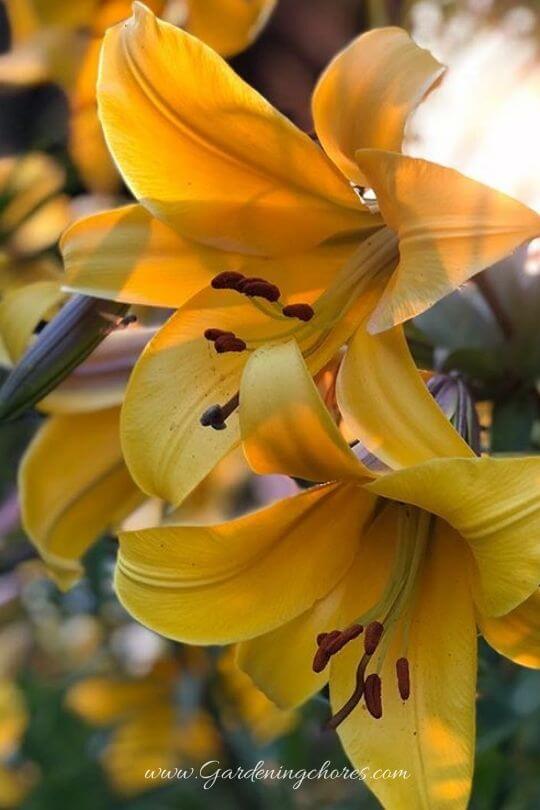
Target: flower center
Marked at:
310, 325
389, 618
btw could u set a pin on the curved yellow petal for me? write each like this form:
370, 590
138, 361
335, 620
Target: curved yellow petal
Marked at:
26, 183
178, 376
516, 635
230, 170
449, 226
129, 255
233, 581
74, 485
366, 94
21, 310
493, 503
280, 662
284, 423
429, 739
228, 26
387, 406
21, 272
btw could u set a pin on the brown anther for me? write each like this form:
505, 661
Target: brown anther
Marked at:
374, 631
214, 334
261, 289
213, 417
332, 647
249, 280
403, 678
372, 696
301, 311
320, 660
229, 343
228, 280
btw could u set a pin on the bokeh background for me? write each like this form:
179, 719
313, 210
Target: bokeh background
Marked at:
88, 699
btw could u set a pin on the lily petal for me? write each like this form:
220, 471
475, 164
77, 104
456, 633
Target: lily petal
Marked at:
429, 739
449, 226
129, 255
236, 580
493, 503
366, 94
280, 662
228, 26
73, 485
516, 635
21, 310
284, 423
387, 406
209, 156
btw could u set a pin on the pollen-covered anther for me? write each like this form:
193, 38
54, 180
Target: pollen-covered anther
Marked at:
228, 280
258, 288
301, 311
372, 695
374, 631
214, 334
403, 678
331, 643
229, 343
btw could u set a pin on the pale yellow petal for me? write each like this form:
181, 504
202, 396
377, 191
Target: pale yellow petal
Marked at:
493, 503
285, 426
429, 739
516, 635
21, 310
233, 581
387, 406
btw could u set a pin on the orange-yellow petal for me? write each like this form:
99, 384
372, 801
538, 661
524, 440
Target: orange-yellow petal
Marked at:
366, 94
209, 156
129, 255
449, 227
227, 26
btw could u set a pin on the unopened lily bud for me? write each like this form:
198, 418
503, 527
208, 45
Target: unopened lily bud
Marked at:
81, 325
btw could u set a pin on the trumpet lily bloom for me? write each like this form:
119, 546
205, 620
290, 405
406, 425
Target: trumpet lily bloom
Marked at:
238, 198
59, 42
375, 582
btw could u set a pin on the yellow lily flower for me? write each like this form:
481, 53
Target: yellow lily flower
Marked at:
59, 42
73, 482
417, 557
236, 190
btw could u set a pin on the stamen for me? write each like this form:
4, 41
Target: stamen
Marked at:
354, 699
228, 280
403, 678
372, 696
249, 280
374, 631
301, 311
216, 415
214, 334
261, 289
229, 343
331, 643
